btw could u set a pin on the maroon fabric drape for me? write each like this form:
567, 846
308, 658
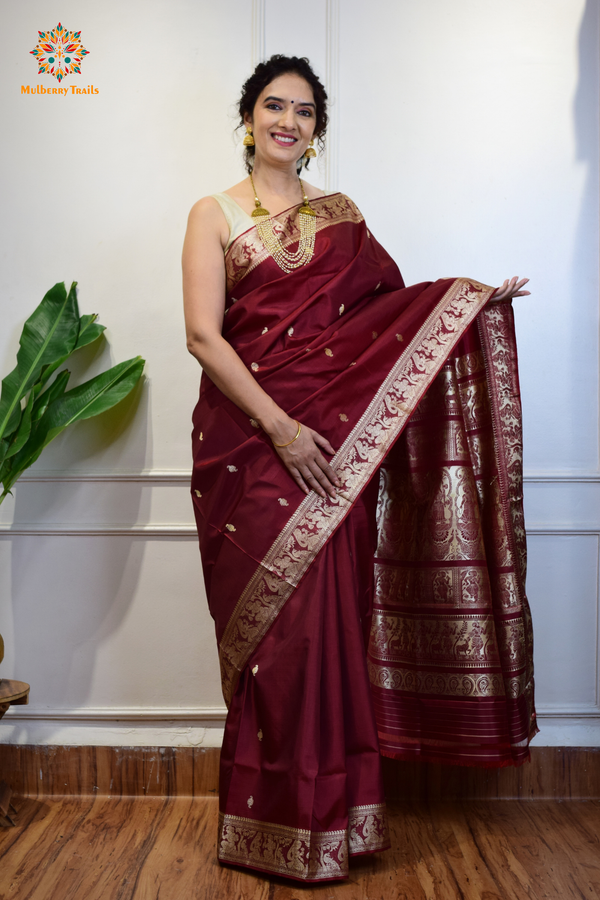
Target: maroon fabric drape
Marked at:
344, 347
451, 646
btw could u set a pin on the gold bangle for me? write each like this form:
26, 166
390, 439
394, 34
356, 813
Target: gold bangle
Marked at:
293, 439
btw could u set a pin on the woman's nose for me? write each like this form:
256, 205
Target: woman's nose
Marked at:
286, 119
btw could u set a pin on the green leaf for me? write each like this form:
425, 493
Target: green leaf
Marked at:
88, 330
96, 395
24, 430
87, 400
56, 389
48, 338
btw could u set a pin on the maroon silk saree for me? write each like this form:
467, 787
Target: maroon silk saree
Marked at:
392, 619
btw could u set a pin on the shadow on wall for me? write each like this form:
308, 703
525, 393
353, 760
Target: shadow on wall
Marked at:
70, 591
585, 114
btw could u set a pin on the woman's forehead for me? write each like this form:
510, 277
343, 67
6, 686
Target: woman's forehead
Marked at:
290, 87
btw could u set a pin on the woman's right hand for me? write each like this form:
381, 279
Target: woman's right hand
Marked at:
305, 462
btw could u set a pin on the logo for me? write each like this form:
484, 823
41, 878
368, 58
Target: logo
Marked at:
59, 52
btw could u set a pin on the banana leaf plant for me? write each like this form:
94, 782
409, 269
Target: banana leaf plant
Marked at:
33, 409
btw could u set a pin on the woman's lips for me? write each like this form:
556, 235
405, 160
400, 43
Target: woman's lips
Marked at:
284, 140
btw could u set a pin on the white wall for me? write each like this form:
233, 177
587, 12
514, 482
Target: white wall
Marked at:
466, 132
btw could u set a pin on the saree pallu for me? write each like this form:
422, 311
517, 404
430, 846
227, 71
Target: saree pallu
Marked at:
394, 617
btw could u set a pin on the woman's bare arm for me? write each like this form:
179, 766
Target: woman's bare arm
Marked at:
204, 304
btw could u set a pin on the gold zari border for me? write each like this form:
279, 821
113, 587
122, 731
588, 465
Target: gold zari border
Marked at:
248, 251
299, 853
449, 684
463, 684
315, 519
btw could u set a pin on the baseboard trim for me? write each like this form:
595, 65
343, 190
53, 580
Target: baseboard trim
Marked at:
554, 773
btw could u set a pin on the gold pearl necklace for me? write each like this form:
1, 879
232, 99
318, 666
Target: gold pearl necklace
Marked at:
308, 228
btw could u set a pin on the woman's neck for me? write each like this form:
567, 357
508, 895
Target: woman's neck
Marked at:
278, 182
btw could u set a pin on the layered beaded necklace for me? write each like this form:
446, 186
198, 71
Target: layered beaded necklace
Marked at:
307, 219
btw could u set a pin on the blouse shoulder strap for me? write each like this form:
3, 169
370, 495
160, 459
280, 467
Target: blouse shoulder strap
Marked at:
237, 218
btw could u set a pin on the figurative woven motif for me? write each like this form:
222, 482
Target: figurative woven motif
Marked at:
451, 618
299, 853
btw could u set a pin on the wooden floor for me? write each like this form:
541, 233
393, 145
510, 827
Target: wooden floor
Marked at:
99, 848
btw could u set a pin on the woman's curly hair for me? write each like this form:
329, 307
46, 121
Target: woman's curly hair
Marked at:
264, 74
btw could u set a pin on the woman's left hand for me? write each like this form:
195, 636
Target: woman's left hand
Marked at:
511, 288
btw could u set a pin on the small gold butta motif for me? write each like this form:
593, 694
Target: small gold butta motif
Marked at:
399, 337
260, 734
342, 308
254, 423
197, 493
352, 363
230, 527
283, 501
290, 330
265, 329
232, 468
328, 352
343, 417
254, 670
254, 367
378, 286
374, 334
250, 801
368, 235
201, 436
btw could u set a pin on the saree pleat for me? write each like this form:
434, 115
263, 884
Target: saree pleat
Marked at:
300, 751
393, 618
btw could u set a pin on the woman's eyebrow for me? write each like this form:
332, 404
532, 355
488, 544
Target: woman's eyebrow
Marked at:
300, 102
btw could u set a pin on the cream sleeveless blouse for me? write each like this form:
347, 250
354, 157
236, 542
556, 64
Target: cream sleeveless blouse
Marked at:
237, 219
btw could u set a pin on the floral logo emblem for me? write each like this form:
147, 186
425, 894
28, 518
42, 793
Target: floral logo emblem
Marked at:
59, 52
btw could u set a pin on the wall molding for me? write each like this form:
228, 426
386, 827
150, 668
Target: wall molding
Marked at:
566, 530
146, 476
183, 476
188, 530
332, 81
211, 716
258, 51
66, 530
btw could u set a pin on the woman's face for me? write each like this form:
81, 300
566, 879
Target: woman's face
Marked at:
283, 120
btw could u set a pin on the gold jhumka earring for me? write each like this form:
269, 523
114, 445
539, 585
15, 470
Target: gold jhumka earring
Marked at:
248, 138
310, 152
308, 228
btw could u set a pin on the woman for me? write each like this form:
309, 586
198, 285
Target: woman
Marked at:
316, 360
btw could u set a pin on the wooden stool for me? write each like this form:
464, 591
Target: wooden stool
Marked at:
12, 693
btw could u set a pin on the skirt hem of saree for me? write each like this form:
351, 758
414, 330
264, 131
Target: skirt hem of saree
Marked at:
310, 879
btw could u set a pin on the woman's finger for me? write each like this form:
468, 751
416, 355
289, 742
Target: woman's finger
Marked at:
511, 288
331, 475
329, 471
316, 469
323, 479
326, 483
313, 482
323, 442
299, 480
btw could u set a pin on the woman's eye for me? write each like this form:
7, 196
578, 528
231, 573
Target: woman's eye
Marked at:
273, 106
305, 112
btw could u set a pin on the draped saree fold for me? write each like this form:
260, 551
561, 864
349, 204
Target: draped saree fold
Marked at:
392, 619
